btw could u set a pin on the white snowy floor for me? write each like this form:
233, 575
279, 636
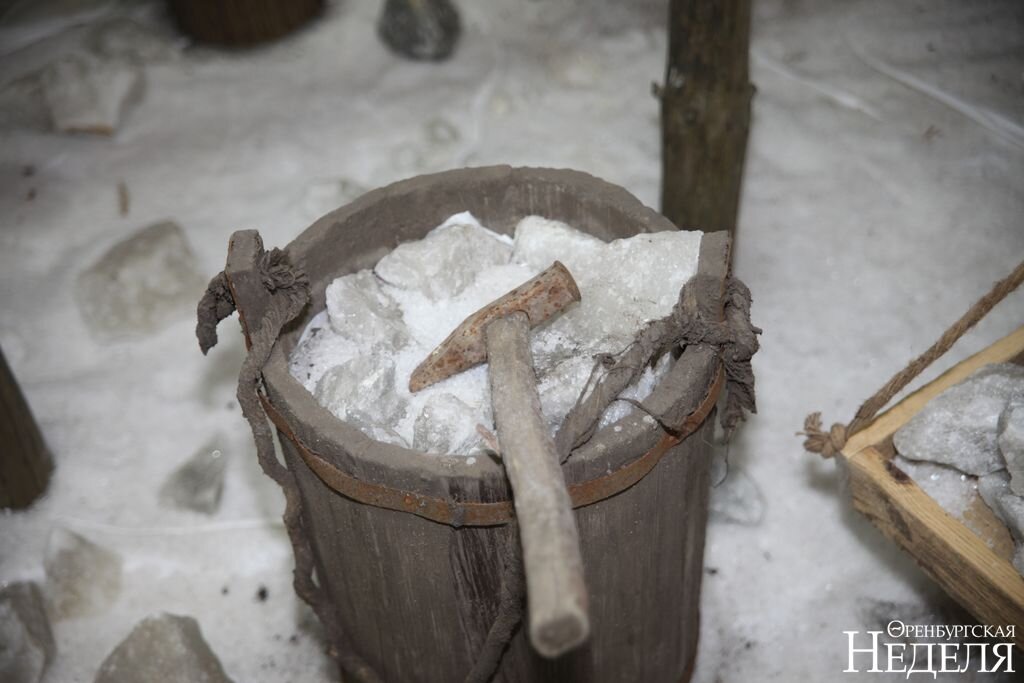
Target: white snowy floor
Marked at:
883, 195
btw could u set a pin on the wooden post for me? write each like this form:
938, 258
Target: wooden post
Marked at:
25, 464
705, 113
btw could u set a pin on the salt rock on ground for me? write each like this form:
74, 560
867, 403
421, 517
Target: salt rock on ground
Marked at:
958, 427
167, 648
1010, 439
26, 641
420, 29
128, 40
82, 578
447, 261
141, 284
198, 483
88, 94
737, 499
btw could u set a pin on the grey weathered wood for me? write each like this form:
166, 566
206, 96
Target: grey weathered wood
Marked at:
25, 463
416, 597
555, 589
705, 112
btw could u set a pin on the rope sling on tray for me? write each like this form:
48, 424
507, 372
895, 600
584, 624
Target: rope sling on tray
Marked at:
829, 443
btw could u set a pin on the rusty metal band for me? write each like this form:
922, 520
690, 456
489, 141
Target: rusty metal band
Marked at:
457, 513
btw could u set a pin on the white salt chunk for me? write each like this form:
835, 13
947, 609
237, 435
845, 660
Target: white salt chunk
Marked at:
357, 356
26, 640
166, 647
87, 94
945, 485
446, 261
82, 578
448, 425
361, 311
363, 383
1010, 439
958, 427
141, 284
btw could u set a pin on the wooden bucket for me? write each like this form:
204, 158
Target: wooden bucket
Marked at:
407, 545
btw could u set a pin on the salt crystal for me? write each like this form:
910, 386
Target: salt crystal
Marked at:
141, 284
87, 94
82, 578
446, 261
361, 311
166, 647
197, 484
942, 483
1010, 440
362, 385
958, 427
26, 640
447, 425
356, 357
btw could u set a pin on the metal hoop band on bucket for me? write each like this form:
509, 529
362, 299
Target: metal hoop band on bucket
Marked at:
459, 514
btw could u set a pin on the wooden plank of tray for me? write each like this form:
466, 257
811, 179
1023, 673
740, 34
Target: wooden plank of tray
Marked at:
986, 585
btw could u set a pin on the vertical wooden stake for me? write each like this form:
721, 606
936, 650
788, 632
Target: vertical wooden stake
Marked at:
25, 464
705, 113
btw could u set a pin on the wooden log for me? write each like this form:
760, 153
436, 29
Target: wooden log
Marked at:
25, 463
555, 588
705, 113
239, 23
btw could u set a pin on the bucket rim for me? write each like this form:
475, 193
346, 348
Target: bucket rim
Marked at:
500, 196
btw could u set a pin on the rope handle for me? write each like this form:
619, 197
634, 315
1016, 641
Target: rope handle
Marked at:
829, 443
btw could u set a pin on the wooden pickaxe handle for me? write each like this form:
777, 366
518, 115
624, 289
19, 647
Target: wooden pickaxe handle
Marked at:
556, 592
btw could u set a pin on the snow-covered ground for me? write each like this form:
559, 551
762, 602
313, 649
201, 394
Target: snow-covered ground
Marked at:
883, 195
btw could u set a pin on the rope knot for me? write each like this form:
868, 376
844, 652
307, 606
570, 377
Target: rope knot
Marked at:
827, 444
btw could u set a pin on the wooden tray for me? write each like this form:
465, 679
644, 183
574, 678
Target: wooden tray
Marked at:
979, 578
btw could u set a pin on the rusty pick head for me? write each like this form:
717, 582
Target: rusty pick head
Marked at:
540, 298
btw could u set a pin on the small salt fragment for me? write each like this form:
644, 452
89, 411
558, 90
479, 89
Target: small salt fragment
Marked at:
197, 484
1010, 439
420, 29
82, 578
361, 391
446, 425
360, 310
142, 284
446, 261
87, 94
26, 640
958, 427
166, 647
737, 499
